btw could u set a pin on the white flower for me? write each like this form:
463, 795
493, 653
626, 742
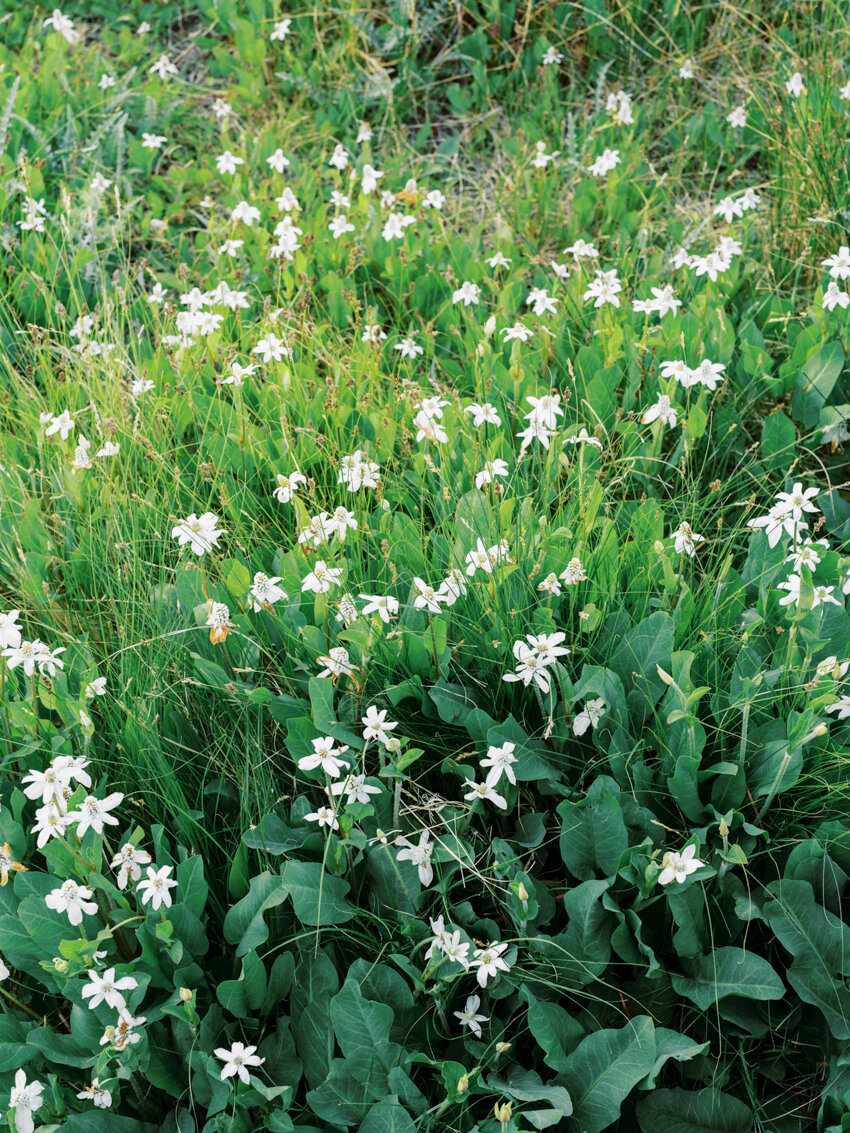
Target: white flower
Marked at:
794, 86
419, 855
202, 533
491, 469
385, 606
228, 162
287, 486
72, 899
95, 813
96, 1093
500, 761
107, 989
686, 540
662, 411
489, 962
322, 578
589, 716
280, 31
337, 663
839, 264
376, 726
484, 791
355, 788
238, 1059
10, 631
25, 1097
65, 27
325, 755
155, 888
679, 866
737, 117
469, 1018
265, 592
63, 424
163, 67
245, 212
324, 816
468, 294
128, 861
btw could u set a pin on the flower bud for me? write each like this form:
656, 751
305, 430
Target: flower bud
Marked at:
723, 827
60, 964
501, 1048
522, 892
503, 1111
186, 994
490, 326
463, 1083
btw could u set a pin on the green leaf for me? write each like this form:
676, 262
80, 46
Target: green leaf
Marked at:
388, 1116
809, 931
819, 989
593, 833
192, 888
554, 1029
317, 897
635, 660
362, 1029
698, 1111
728, 971
244, 924
245, 995
604, 1068
671, 1044
815, 384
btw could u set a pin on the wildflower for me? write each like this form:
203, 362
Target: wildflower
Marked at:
376, 726
426, 597
279, 32
245, 212
479, 559
325, 816
49, 823
662, 411
10, 631
686, 71
358, 471
202, 533
325, 755
7, 864
419, 855
839, 264
604, 289
551, 57
589, 716
337, 663
686, 540
573, 573
153, 141
486, 791
287, 486
678, 866
107, 989
583, 438
469, 1018
218, 619
491, 469
737, 118
128, 861
794, 86
834, 297
25, 1097
63, 424
452, 587
238, 1059
162, 68
409, 348
228, 162
265, 592
841, 707
72, 899
64, 26
468, 294
385, 606
154, 890
795, 503
97, 1094
355, 788
322, 578
489, 962
500, 761
608, 160
95, 813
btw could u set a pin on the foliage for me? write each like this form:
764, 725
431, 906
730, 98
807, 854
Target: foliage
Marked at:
424, 655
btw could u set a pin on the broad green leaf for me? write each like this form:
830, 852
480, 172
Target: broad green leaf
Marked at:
388, 1116
593, 833
671, 1044
728, 971
554, 1029
693, 1111
244, 924
810, 932
604, 1068
317, 897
